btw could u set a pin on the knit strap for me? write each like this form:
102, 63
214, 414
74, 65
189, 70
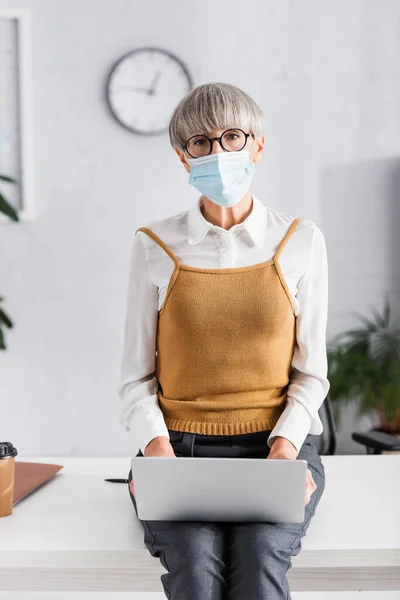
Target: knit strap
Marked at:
160, 243
289, 232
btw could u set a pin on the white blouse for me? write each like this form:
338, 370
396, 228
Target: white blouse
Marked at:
199, 243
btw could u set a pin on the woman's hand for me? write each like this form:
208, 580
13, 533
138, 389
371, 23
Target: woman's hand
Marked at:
311, 486
283, 448
159, 446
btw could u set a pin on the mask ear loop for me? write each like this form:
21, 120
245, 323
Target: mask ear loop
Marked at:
254, 143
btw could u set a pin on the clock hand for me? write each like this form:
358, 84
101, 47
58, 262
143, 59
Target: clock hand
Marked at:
133, 87
154, 82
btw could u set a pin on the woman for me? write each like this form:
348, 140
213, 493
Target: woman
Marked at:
233, 296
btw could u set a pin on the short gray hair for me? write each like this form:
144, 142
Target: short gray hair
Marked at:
214, 106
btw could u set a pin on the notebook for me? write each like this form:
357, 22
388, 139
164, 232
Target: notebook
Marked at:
29, 476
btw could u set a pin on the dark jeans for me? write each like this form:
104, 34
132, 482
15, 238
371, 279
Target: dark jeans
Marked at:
228, 560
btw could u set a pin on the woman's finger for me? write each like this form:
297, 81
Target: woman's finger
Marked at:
310, 486
311, 480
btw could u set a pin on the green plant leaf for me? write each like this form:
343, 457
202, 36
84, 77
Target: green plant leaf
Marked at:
6, 178
365, 367
370, 325
385, 348
380, 320
386, 311
7, 209
5, 319
2, 344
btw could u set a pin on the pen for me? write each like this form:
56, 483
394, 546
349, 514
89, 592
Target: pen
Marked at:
117, 480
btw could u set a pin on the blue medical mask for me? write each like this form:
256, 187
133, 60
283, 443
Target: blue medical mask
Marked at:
223, 177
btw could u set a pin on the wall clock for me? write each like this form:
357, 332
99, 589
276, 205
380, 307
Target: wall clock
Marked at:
16, 121
144, 87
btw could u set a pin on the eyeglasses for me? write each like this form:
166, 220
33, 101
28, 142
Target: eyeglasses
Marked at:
232, 140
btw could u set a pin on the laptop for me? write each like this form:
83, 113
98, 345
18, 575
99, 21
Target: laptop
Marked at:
219, 489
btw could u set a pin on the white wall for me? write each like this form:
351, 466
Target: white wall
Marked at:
326, 75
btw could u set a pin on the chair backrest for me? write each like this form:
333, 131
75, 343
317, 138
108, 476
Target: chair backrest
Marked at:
327, 441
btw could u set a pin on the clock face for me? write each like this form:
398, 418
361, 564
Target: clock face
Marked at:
144, 88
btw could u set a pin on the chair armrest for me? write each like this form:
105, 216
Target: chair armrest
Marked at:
378, 440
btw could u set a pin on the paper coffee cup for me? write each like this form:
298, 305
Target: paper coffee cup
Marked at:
7, 469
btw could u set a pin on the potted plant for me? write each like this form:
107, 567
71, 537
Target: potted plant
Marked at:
364, 366
7, 210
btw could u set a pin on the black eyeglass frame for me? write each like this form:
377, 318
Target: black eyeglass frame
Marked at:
219, 139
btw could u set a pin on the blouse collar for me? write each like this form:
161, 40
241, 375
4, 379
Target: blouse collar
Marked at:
254, 224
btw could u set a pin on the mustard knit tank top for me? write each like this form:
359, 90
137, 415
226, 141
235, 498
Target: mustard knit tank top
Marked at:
224, 343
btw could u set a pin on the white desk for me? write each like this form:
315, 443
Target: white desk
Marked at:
78, 532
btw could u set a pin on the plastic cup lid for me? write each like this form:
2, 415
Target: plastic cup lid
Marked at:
7, 450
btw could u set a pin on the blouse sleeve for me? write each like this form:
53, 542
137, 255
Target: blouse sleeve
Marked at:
308, 384
140, 411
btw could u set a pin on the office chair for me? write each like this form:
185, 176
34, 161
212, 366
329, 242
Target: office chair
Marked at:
326, 442
374, 440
